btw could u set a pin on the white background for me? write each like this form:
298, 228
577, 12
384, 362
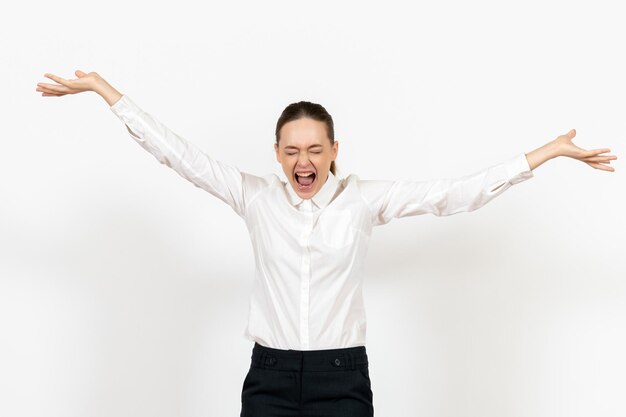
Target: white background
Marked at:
124, 289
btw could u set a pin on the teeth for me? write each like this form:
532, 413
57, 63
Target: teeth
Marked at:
302, 174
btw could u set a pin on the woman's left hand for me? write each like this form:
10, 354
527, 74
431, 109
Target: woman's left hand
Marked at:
564, 147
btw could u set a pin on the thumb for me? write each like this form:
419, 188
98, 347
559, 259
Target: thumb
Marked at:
571, 133
79, 73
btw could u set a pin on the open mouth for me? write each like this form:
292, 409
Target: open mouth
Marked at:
305, 181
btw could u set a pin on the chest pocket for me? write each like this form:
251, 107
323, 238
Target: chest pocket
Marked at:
336, 227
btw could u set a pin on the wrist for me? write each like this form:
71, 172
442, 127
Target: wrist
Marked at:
552, 149
543, 154
106, 90
99, 85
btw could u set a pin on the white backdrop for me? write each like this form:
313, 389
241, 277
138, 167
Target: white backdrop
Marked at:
124, 289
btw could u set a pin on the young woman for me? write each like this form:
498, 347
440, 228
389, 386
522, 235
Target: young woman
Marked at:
310, 237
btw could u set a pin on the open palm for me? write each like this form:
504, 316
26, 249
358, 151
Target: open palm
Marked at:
592, 158
84, 82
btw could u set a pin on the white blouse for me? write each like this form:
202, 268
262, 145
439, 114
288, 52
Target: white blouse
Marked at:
309, 254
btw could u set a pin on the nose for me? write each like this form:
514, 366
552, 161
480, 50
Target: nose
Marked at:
303, 160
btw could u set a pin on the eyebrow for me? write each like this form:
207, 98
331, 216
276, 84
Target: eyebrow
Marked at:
312, 146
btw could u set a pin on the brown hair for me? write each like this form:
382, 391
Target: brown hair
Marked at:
314, 111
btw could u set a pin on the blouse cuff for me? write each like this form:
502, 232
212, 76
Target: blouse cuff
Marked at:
518, 169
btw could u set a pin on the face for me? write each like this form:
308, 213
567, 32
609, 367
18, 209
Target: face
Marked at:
304, 147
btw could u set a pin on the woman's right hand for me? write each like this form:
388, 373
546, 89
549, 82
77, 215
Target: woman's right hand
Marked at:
84, 82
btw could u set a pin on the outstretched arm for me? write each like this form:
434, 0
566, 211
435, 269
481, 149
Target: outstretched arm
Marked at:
389, 199
443, 197
227, 182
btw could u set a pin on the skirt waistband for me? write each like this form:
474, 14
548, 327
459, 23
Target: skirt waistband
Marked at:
309, 360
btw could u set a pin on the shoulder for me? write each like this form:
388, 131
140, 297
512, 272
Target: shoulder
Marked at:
256, 185
260, 180
349, 179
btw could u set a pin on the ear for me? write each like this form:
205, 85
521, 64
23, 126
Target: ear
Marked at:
276, 150
335, 149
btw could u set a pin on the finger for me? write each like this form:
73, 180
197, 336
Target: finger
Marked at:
51, 88
595, 152
47, 86
599, 158
601, 167
48, 92
56, 78
571, 133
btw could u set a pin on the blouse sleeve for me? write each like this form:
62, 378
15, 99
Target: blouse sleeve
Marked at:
222, 180
389, 199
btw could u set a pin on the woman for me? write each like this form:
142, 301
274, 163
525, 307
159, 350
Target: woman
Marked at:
306, 313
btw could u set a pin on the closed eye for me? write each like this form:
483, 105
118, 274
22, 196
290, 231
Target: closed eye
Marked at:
293, 153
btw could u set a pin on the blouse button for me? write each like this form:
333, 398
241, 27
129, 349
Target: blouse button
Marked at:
337, 362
